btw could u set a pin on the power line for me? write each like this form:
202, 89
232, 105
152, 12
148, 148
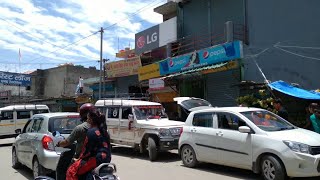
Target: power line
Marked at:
64, 47
135, 13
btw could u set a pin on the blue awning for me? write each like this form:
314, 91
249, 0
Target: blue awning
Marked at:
286, 88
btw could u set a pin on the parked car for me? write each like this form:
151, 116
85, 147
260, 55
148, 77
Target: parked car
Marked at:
141, 125
13, 118
35, 146
250, 138
189, 104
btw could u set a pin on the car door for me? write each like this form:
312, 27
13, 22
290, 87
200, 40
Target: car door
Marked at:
204, 136
32, 139
7, 124
234, 148
21, 142
22, 118
113, 122
126, 133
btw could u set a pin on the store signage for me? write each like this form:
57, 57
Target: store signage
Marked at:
156, 83
156, 36
123, 68
5, 94
149, 71
228, 66
15, 79
204, 57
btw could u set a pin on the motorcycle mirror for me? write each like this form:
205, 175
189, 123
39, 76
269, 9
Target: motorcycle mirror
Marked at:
56, 134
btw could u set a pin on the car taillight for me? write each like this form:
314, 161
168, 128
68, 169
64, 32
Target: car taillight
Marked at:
181, 130
47, 143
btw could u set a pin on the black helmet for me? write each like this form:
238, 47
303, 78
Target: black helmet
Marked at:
84, 109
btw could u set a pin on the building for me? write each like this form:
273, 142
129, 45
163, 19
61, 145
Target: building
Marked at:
249, 31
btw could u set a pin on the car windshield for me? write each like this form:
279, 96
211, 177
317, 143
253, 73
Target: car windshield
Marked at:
149, 112
192, 103
267, 121
64, 125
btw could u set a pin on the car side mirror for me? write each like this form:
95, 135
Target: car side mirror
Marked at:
18, 131
244, 129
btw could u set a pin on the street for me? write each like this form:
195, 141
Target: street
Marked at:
132, 165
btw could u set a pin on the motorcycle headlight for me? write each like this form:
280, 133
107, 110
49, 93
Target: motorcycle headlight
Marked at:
164, 132
298, 147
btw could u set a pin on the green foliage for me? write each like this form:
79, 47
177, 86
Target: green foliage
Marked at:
260, 100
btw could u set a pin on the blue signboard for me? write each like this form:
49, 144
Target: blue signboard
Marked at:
204, 57
15, 79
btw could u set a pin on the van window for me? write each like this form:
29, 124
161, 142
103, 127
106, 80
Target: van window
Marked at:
40, 111
203, 120
6, 115
113, 112
23, 114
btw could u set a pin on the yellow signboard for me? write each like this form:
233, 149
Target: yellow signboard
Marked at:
228, 66
123, 68
149, 71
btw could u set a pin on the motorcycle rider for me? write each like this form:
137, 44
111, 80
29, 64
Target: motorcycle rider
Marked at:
79, 132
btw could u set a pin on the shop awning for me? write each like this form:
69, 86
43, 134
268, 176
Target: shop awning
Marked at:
286, 88
215, 66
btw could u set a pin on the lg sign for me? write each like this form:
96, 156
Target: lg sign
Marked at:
150, 39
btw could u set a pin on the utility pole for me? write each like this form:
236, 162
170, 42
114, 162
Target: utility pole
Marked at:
104, 76
100, 82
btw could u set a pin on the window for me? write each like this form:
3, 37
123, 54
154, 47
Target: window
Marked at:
40, 111
64, 125
36, 125
23, 114
203, 120
125, 112
229, 121
28, 126
6, 115
113, 112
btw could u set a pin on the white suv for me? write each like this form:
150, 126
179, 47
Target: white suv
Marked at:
250, 138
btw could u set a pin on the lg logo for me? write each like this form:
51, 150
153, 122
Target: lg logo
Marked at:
141, 40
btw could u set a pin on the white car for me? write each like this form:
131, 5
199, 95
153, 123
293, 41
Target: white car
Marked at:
250, 138
35, 146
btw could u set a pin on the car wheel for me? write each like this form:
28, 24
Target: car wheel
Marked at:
37, 169
15, 162
188, 156
152, 148
272, 169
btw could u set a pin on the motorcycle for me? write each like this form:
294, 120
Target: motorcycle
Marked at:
105, 171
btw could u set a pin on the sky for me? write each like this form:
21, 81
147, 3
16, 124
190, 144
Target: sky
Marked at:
49, 33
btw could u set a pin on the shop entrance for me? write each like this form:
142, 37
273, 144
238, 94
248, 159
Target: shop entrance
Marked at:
193, 88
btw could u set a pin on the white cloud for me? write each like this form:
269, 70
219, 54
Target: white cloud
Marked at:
63, 22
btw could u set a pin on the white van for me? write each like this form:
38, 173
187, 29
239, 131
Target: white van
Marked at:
13, 118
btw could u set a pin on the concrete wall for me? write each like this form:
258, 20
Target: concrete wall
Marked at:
62, 81
288, 23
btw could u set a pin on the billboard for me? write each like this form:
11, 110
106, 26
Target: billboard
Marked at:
156, 36
149, 71
204, 57
123, 68
15, 79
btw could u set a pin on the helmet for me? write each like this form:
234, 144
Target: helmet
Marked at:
84, 109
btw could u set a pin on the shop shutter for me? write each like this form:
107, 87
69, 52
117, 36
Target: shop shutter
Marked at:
123, 83
220, 88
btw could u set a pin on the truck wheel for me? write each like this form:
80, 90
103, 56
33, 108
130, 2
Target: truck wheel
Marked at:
152, 148
272, 169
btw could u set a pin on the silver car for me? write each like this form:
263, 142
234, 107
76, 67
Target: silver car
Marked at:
35, 146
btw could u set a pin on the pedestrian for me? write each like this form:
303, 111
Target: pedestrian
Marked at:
315, 119
80, 85
281, 111
310, 111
